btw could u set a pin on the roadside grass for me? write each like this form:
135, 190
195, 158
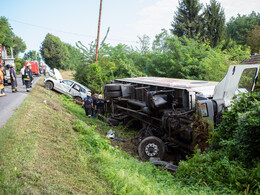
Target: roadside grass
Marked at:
40, 152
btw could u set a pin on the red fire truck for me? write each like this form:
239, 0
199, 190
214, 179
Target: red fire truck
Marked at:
35, 67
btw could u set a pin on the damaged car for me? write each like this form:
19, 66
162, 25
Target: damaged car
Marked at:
68, 87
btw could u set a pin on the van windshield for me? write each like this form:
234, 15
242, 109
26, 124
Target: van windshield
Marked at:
247, 79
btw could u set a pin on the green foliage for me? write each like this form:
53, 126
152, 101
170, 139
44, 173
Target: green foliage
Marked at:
19, 63
32, 55
91, 140
239, 133
187, 19
75, 57
237, 52
215, 65
54, 52
254, 39
187, 58
114, 62
9, 39
6, 33
232, 163
239, 27
218, 171
18, 46
214, 19
170, 56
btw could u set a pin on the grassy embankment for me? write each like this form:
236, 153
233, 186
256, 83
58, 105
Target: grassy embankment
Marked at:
50, 147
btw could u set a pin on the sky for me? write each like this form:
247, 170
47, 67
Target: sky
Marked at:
77, 20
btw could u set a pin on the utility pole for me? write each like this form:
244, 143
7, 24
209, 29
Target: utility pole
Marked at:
99, 21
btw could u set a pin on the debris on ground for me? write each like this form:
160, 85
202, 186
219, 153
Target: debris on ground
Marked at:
111, 135
167, 165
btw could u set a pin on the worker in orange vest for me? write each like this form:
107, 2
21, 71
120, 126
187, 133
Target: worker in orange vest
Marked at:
2, 88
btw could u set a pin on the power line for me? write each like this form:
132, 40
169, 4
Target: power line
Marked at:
66, 32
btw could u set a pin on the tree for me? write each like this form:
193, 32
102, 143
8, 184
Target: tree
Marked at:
75, 57
144, 44
160, 42
187, 19
18, 46
6, 33
32, 55
214, 18
54, 52
239, 27
254, 39
9, 39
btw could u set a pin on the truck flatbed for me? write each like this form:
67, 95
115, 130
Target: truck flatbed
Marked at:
205, 87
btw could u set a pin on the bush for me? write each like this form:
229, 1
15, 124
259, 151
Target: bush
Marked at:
239, 133
214, 169
232, 161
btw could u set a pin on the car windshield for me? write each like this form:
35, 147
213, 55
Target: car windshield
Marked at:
67, 82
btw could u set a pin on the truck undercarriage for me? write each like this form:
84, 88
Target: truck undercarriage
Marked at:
164, 108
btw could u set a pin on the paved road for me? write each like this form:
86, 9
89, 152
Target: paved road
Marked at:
12, 101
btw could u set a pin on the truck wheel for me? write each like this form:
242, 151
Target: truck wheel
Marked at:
113, 122
79, 99
113, 87
113, 94
49, 85
143, 133
151, 147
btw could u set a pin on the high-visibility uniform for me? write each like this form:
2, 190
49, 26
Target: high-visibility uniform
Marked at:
1, 82
27, 78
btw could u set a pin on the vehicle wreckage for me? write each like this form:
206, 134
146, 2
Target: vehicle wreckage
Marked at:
165, 107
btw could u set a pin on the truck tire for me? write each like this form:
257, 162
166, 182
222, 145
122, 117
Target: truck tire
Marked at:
151, 147
113, 94
143, 133
49, 85
113, 87
79, 99
113, 122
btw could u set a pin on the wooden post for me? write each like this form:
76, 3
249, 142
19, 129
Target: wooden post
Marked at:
99, 21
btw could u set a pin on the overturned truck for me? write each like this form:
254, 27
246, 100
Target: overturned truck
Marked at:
164, 108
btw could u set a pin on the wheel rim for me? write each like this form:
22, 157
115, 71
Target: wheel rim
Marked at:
48, 85
78, 99
151, 149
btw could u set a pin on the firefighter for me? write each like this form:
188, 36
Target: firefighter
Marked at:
13, 79
88, 104
28, 77
2, 88
100, 106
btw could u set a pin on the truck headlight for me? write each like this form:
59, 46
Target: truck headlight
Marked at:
204, 110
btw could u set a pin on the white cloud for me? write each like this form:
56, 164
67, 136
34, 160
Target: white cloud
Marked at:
155, 17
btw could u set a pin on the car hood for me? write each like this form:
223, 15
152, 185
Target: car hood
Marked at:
57, 74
